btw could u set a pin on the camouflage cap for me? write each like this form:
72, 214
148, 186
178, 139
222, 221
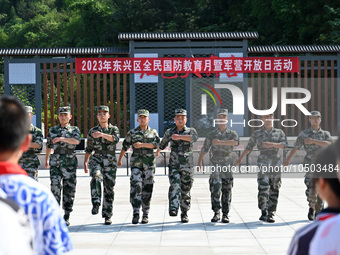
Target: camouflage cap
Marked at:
64, 109
222, 112
29, 109
102, 108
315, 113
180, 112
143, 112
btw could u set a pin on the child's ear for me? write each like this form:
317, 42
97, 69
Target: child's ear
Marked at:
26, 143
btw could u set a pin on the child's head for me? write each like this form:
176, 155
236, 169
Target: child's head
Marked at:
325, 174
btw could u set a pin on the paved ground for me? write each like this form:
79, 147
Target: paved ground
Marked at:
245, 234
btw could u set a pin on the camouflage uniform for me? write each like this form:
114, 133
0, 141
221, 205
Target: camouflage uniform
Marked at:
220, 181
63, 164
143, 163
29, 160
181, 170
269, 183
103, 167
313, 199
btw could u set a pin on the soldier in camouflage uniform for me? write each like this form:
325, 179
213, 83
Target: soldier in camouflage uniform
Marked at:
312, 140
181, 171
143, 140
220, 142
63, 139
29, 160
102, 139
268, 140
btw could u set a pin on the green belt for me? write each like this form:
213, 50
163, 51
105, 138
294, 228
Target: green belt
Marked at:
180, 149
221, 154
104, 152
143, 151
64, 151
268, 153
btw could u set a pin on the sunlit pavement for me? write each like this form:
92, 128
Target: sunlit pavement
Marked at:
245, 234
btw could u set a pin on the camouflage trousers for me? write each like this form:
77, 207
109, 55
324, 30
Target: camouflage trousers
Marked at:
32, 171
314, 201
219, 185
141, 187
63, 175
268, 191
181, 180
104, 172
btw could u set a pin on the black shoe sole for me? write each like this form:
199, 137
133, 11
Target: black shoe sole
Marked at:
173, 214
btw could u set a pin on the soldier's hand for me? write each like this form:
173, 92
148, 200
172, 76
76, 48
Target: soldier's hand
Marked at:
137, 145
216, 142
175, 137
238, 162
199, 164
47, 165
157, 154
57, 139
309, 141
267, 145
97, 134
86, 170
286, 163
119, 163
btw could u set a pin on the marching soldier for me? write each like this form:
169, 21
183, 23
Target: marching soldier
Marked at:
102, 139
312, 139
220, 142
63, 139
268, 140
143, 140
181, 170
29, 160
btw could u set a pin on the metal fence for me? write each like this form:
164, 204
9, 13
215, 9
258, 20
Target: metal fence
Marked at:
61, 86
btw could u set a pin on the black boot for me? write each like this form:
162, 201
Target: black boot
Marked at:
270, 217
225, 218
311, 214
184, 218
95, 209
108, 221
216, 217
145, 219
135, 218
67, 218
263, 215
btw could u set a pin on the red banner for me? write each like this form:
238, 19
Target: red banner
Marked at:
211, 65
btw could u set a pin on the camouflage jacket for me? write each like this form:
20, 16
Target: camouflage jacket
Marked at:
181, 151
30, 156
68, 132
147, 136
267, 155
219, 153
311, 149
102, 147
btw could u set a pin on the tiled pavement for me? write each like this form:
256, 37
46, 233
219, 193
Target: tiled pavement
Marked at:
245, 234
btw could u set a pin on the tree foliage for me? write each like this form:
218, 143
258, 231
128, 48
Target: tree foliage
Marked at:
79, 23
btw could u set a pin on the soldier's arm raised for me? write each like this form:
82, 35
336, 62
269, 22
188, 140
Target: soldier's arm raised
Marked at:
319, 142
228, 142
146, 145
72, 141
35, 145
